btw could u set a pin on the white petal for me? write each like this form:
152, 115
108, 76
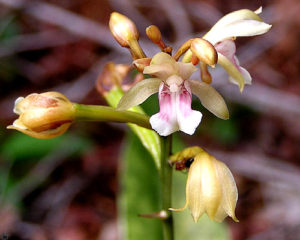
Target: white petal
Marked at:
238, 15
241, 28
139, 93
246, 75
210, 98
188, 119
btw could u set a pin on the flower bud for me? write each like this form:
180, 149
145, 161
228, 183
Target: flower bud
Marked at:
43, 116
210, 189
123, 29
154, 34
205, 51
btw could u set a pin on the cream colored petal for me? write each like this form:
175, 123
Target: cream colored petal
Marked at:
139, 93
229, 190
17, 109
194, 196
211, 188
210, 98
185, 70
230, 68
162, 57
259, 10
162, 71
238, 15
220, 214
40, 135
241, 28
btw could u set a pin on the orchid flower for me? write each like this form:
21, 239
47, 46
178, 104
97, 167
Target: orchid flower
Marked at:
210, 186
241, 23
171, 81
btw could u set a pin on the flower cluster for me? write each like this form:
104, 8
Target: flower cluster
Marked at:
170, 78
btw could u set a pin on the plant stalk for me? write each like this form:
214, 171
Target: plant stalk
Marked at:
109, 114
166, 183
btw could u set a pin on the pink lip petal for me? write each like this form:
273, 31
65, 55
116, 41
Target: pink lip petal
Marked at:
188, 119
165, 121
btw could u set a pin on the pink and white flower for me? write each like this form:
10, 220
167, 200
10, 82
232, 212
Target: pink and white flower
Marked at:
241, 23
171, 81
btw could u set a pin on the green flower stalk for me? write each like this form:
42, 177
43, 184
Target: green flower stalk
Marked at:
48, 115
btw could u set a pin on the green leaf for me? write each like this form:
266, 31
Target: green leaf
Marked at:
140, 193
149, 138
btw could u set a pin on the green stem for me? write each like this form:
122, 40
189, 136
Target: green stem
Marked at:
109, 114
166, 183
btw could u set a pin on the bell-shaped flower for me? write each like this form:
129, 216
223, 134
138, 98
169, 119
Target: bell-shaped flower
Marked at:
241, 23
210, 189
171, 81
43, 116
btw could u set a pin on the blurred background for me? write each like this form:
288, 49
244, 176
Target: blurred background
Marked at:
67, 188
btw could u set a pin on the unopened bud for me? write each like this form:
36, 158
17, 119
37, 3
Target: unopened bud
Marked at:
122, 29
205, 51
154, 34
141, 63
44, 116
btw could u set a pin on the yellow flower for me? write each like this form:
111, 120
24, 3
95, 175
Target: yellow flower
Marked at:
43, 116
210, 189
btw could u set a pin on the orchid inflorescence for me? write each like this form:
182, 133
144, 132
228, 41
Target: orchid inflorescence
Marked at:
170, 77
210, 185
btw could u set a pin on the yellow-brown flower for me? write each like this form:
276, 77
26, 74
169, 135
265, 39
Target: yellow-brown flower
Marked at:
210, 189
43, 116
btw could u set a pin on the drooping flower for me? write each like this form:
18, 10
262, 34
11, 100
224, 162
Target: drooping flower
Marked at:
241, 23
171, 81
210, 189
43, 116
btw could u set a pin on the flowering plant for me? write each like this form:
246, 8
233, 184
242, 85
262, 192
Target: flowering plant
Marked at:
210, 185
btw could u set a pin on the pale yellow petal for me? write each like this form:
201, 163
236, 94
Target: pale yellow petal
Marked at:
210, 185
194, 196
185, 70
236, 16
210, 98
41, 135
229, 189
139, 93
162, 57
241, 28
162, 71
231, 69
